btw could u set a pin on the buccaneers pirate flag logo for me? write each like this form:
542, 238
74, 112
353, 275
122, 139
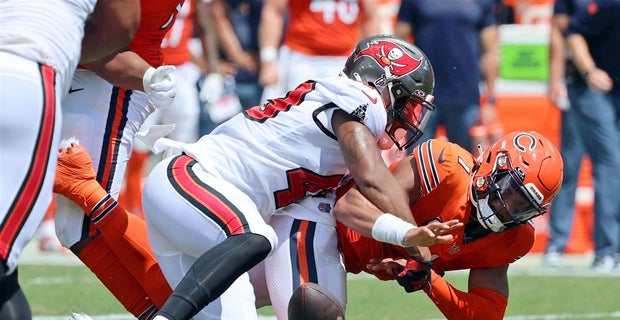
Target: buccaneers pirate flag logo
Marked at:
391, 57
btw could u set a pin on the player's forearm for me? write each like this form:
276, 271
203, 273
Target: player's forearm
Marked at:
110, 28
478, 303
124, 70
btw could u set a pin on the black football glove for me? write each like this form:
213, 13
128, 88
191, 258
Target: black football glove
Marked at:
416, 275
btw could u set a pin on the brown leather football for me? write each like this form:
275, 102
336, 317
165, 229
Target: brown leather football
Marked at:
311, 301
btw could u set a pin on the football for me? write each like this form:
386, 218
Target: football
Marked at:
311, 301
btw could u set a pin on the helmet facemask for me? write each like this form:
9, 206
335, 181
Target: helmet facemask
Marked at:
409, 112
501, 199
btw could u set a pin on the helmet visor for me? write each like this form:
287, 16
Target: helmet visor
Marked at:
410, 114
509, 200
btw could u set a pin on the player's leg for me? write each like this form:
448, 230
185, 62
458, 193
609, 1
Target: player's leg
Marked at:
307, 252
191, 211
30, 119
104, 119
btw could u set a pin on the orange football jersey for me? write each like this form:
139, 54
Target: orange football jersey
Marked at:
175, 45
445, 174
323, 28
156, 18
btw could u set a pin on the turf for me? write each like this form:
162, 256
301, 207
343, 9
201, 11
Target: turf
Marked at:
59, 290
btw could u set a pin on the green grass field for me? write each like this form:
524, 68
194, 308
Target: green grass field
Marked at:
55, 291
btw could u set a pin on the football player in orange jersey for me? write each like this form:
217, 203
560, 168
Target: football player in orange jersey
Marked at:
495, 196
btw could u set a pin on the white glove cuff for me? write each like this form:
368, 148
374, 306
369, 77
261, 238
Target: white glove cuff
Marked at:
147, 79
391, 229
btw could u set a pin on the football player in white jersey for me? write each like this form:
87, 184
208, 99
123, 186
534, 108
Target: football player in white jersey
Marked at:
207, 203
40, 45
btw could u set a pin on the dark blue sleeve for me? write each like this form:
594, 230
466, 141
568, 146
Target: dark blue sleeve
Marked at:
591, 21
405, 12
563, 7
489, 8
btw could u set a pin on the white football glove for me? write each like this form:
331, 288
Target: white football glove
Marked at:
161, 85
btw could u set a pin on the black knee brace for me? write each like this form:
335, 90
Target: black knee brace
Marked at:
213, 273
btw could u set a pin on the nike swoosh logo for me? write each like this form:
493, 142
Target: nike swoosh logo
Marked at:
441, 159
373, 100
71, 90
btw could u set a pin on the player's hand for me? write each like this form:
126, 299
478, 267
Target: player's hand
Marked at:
416, 275
74, 168
432, 233
161, 85
411, 274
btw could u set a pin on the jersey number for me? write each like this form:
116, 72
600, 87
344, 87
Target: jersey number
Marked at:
274, 106
345, 10
301, 183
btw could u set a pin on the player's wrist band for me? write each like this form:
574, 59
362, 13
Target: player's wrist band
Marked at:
391, 229
268, 54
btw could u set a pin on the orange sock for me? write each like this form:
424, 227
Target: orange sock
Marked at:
127, 236
100, 259
134, 176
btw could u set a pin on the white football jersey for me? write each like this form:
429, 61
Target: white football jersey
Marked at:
46, 31
279, 152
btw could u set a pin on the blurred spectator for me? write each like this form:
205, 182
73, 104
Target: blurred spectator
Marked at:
236, 26
590, 126
316, 40
461, 39
233, 83
528, 11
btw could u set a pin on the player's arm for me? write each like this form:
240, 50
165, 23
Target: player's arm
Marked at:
364, 207
109, 28
487, 296
128, 70
124, 69
370, 19
269, 37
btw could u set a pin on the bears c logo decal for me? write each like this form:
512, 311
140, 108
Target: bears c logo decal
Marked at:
524, 142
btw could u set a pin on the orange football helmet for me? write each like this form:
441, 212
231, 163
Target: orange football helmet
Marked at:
515, 180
